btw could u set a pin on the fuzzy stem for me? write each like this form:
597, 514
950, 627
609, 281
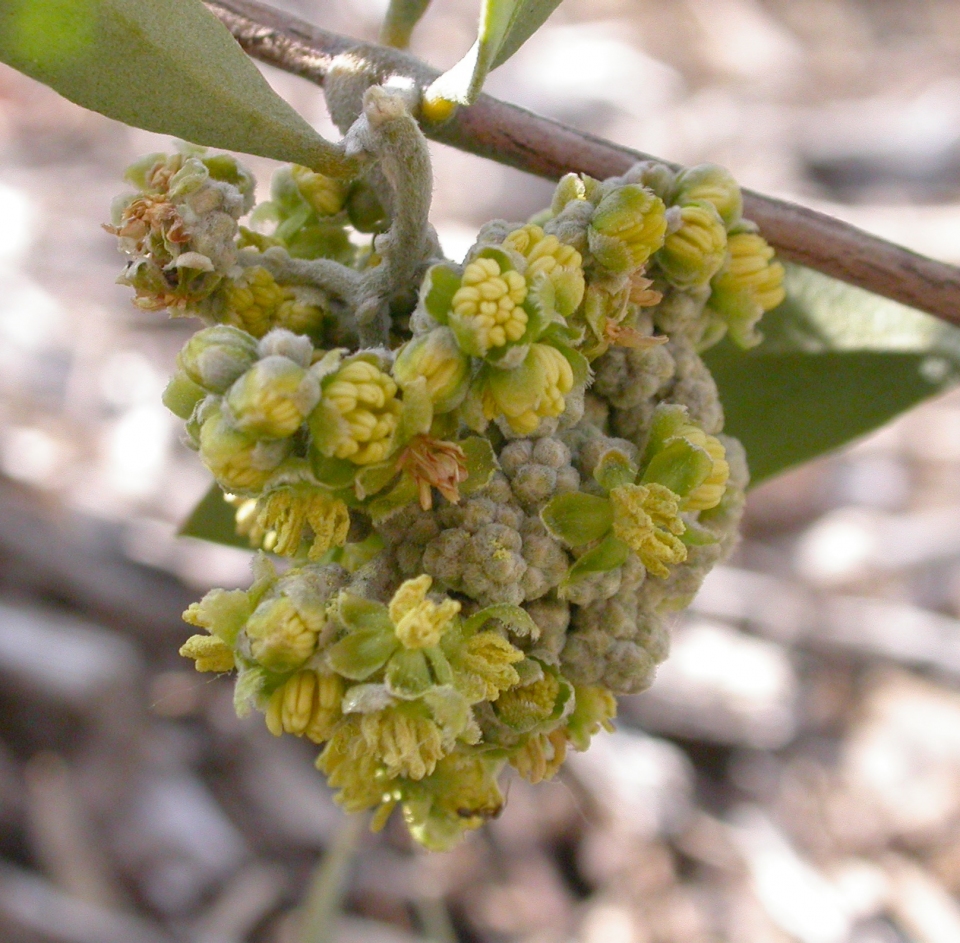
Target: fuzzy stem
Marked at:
511, 135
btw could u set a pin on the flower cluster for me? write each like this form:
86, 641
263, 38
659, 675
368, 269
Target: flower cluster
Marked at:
496, 478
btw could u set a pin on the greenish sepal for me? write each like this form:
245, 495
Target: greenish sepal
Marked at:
517, 620
224, 612
540, 305
607, 556
529, 670
667, 419
577, 518
679, 466
353, 556
324, 423
362, 653
297, 219
366, 699
481, 463
416, 413
439, 665
740, 311
578, 364
182, 395
248, 687
450, 710
439, 286
408, 674
338, 474
384, 507
371, 479
696, 536
361, 614
614, 470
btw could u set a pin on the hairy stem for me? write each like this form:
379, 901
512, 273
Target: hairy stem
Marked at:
516, 137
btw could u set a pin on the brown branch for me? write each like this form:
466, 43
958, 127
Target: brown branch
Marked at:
517, 137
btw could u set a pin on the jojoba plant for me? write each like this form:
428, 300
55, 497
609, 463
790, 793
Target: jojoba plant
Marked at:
496, 479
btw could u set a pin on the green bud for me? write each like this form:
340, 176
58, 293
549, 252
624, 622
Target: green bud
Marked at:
574, 187
715, 185
628, 226
273, 398
654, 176
693, 254
437, 357
323, 194
216, 356
182, 395
364, 209
238, 462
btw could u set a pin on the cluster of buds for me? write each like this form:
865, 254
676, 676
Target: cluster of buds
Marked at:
493, 509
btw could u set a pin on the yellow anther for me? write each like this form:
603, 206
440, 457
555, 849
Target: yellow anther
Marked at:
486, 663
280, 639
751, 268
708, 494
541, 756
419, 622
407, 744
366, 398
524, 707
488, 303
283, 516
307, 704
647, 519
209, 652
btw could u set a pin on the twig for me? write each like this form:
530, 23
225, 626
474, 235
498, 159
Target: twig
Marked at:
517, 137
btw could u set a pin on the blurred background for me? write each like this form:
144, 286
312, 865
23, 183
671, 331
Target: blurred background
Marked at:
794, 774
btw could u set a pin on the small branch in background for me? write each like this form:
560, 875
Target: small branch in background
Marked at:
519, 138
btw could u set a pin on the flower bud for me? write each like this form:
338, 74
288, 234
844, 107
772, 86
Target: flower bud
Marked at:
236, 459
280, 638
749, 284
487, 309
182, 395
561, 264
357, 415
437, 357
216, 356
692, 254
715, 185
273, 398
627, 227
531, 392
323, 194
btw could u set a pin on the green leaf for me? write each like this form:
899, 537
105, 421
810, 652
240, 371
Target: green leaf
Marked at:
577, 518
528, 17
165, 65
402, 16
214, 520
505, 25
836, 362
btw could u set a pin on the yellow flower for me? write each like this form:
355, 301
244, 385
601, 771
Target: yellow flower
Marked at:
524, 707
280, 637
710, 491
487, 306
485, 666
255, 302
533, 391
419, 622
366, 399
307, 704
693, 254
282, 516
209, 652
561, 264
647, 519
751, 268
325, 195
233, 457
541, 756
406, 741
353, 770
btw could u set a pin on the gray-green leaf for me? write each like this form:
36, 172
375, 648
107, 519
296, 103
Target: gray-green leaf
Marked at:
836, 362
164, 65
